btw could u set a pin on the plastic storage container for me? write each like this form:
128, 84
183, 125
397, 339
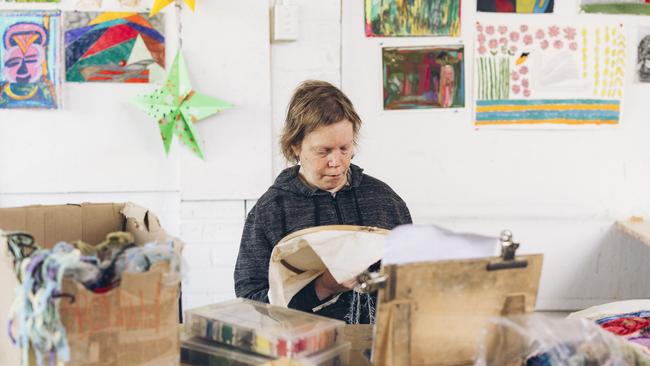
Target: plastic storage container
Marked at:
198, 351
264, 329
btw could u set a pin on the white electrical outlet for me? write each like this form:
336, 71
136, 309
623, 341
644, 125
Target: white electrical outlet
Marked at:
285, 22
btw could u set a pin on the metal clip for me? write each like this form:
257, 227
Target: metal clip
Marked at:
370, 282
508, 250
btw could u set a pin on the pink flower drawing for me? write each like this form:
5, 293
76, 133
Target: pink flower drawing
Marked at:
514, 36
482, 50
539, 34
573, 46
489, 29
479, 27
524, 82
544, 44
514, 75
493, 43
503, 40
526, 93
528, 39
481, 38
502, 29
558, 44
523, 28
523, 70
553, 31
569, 33
513, 49
516, 89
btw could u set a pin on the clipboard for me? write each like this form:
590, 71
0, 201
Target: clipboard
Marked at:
433, 313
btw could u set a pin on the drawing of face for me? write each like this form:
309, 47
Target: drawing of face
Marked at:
25, 54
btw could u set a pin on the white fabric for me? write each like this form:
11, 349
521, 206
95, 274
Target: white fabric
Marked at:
345, 251
612, 308
425, 243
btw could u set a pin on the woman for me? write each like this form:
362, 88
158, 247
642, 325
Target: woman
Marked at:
323, 188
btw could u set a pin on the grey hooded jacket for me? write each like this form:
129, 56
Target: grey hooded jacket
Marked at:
288, 206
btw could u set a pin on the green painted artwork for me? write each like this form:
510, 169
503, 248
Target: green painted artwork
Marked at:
633, 7
401, 18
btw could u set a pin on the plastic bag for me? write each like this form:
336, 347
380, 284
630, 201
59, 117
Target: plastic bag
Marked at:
535, 340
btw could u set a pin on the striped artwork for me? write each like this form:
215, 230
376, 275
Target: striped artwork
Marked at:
556, 111
549, 74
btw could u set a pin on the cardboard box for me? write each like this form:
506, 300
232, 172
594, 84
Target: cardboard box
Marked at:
134, 324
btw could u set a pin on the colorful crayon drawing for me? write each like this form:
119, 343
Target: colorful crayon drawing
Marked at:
29, 59
549, 74
515, 6
643, 56
635, 327
635, 7
423, 77
113, 47
397, 18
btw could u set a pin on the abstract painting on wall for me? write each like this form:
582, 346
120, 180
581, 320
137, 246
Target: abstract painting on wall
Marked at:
395, 18
515, 6
562, 74
113, 47
29, 59
643, 56
423, 77
638, 7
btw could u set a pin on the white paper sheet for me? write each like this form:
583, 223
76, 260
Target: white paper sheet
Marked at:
425, 243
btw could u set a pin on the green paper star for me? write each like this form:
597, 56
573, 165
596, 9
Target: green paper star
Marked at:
176, 107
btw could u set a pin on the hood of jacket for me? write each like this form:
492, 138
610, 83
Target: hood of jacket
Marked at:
289, 181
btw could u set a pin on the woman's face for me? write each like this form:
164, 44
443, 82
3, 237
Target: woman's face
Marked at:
325, 155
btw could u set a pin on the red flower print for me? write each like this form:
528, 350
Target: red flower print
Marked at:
516, 89
558, 44
482, 50
539, 34
502, 29
493, 43
544, 44
479, 27
513, 49
524, 82
514, 36
523, 28
523, 70
514, 76
503, 40
569, 33
625, 326
489, 29
526, 93
553, 31
573, 46
528, 39
481, 38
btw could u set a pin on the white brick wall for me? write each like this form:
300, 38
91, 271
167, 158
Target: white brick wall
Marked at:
212, 229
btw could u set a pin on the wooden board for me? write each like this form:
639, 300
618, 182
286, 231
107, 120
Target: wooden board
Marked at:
433, 313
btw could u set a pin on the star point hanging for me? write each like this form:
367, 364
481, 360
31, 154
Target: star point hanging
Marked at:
159, 5
177, 106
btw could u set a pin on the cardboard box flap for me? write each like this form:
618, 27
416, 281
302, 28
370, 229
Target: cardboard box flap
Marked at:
99, 219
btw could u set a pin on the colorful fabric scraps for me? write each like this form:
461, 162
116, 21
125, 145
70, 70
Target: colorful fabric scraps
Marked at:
29, 59
389, 18
113, 47
429, 77
635, 327
515, 6
549, 74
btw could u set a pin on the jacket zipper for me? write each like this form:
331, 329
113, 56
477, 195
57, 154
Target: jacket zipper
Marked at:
338, 212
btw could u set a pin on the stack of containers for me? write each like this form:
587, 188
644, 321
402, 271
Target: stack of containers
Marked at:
246, 332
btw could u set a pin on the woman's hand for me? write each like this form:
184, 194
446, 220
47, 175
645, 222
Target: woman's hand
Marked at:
327, 286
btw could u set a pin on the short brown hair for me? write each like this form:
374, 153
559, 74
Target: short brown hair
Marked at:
315, 104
